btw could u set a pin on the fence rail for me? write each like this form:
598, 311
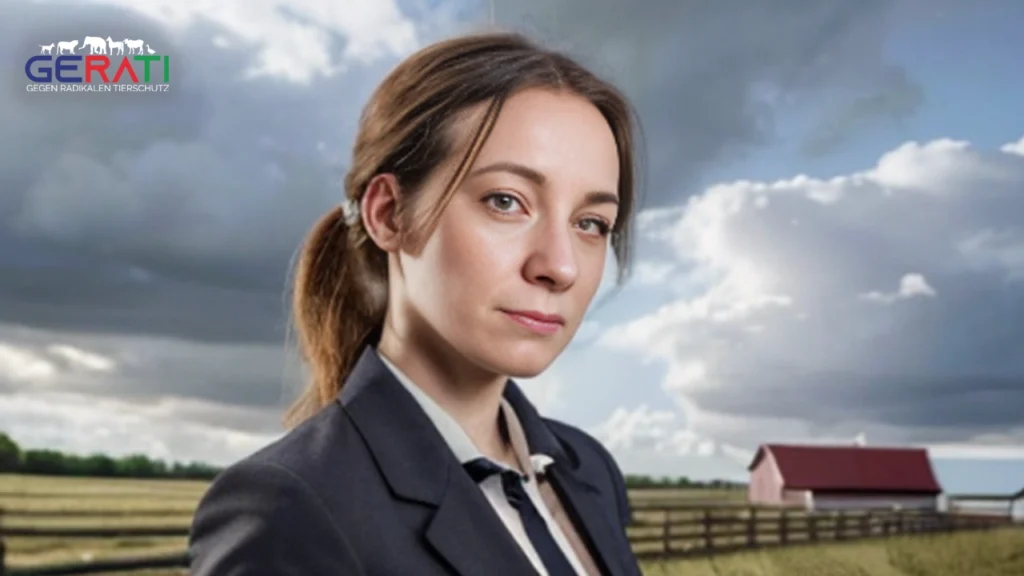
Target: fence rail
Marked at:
715, 530
151, 562
657, 531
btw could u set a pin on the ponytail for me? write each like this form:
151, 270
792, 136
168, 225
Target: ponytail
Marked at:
337, 307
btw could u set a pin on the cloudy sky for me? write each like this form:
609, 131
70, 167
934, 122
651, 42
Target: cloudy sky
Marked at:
832, 243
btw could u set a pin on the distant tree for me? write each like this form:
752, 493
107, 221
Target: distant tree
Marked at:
140, 466
44, 462
10, 454
638, 481
56, 463
99, 465
194, 471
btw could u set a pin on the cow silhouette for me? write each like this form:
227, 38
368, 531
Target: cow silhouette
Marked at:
134, 46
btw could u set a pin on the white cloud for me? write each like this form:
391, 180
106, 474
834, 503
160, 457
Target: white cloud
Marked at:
544, 391
773, 347
1009, 447
66, 397
294, 38
643, 427
82, 358
652, 441
31, 365
242, 388
44, 420
996, 249
911, 285
651, 273
20, 364
915, 285
1014, 147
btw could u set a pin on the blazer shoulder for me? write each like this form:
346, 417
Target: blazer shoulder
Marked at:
593, 457
258, 518
265, 514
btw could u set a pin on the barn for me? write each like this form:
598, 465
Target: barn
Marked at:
843, 477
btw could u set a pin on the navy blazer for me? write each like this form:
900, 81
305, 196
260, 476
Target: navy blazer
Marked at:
368, 487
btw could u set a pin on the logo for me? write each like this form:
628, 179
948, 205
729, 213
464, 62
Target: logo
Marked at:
110, 66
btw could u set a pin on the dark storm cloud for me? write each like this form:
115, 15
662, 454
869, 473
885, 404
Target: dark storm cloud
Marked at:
708, 78
157, 230
178, 213
244, 387
172, 213
968, 404
55, 286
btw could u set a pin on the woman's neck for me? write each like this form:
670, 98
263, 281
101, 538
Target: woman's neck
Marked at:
470, 395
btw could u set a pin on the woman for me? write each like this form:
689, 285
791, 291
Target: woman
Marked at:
489, 178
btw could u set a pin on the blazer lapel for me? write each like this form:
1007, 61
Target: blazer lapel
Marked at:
583, 504
467, 532
419, 467
582, 501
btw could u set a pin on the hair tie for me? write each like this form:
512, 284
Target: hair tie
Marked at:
350, 211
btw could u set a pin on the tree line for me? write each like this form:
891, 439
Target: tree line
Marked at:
15, 460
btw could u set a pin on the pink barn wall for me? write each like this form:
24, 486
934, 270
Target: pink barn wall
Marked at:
796, 497
765, 482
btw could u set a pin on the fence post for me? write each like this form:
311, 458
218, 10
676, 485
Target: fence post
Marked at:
752, 528
3, 547
666, 533
709, 540
865, 524
840, 526
783, 528
812, 527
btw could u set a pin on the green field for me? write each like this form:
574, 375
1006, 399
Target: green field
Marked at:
65, 502
987, 553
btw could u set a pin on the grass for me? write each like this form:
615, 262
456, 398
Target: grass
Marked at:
988, 553
70, 502
88, 503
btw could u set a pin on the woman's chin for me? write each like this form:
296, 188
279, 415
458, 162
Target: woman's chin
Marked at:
525, 362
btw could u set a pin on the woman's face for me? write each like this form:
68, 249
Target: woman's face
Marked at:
518, 254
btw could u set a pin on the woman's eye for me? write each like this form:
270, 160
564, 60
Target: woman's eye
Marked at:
503, 202
595, 226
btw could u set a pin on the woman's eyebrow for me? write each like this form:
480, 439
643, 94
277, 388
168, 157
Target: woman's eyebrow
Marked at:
518, 169
527, 173
600, 197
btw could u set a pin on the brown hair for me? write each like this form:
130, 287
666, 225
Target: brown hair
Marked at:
339, 294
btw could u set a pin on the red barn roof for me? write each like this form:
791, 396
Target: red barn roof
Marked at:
852, 468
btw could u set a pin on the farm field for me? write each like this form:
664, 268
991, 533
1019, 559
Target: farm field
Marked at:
36, 502
987, 553
43, 501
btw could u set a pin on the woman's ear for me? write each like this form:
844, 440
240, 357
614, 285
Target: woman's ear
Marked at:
379, 209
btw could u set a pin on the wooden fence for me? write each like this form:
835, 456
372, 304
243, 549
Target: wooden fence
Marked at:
658, 530
686, 530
